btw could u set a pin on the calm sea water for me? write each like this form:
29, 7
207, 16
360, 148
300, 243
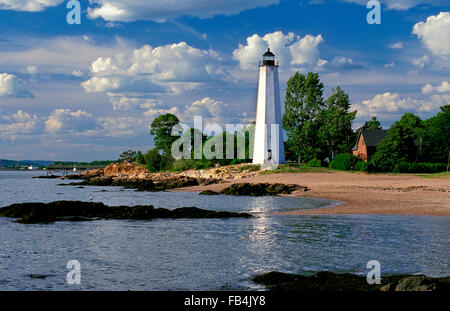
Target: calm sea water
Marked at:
204, 254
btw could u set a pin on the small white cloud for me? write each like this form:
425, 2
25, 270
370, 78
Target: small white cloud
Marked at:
396, 45
113, 25
11, 86
77, 73
342, 60
120, 127
32, 70
129, 103
421, 62
154, 112
391, 65
400, 5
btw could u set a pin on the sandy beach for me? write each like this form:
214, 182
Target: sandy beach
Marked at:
361, 193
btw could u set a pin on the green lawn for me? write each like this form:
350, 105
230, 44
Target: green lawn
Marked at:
291, 168
437, 175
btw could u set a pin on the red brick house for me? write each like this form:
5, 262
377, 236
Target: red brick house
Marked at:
367, 142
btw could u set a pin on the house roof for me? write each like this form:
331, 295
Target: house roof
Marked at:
373, 137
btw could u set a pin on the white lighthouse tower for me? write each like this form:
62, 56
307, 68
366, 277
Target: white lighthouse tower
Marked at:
268, 148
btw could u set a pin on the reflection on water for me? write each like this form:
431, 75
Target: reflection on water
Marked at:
205, 254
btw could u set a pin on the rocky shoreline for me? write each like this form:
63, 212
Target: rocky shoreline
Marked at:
136, 176
142, 184
35, 213
330, 281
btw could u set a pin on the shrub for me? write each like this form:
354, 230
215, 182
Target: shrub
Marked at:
343, 161
314, 163
203, 164
140, 158
153, 160
251, 168
361, 166
413, 167
183, 165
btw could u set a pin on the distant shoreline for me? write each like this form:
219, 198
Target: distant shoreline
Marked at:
20, 170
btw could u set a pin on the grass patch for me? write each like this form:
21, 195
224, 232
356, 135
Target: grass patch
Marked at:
437, 175
289, 168
251, 168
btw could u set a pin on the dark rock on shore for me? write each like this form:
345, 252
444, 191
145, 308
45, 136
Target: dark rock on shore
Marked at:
417, 283
33, 213
37, 276
263, 189
329, 281
209, 192
139, 184
47, 177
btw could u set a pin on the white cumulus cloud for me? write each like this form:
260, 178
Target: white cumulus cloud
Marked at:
161, 10
17, 125
443, 88
208, 108
392, 105
171, 68
290, 49
12, 86
120, 126
58, 55
435, 34
28, 5
66, 120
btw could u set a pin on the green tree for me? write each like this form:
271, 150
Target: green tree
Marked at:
197, 149
161, 128
399, 144
129, 155
140, 158
304, 100
373, 124
436, 140
153, 160
336, 123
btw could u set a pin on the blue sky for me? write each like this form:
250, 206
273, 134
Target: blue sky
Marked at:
89, 91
